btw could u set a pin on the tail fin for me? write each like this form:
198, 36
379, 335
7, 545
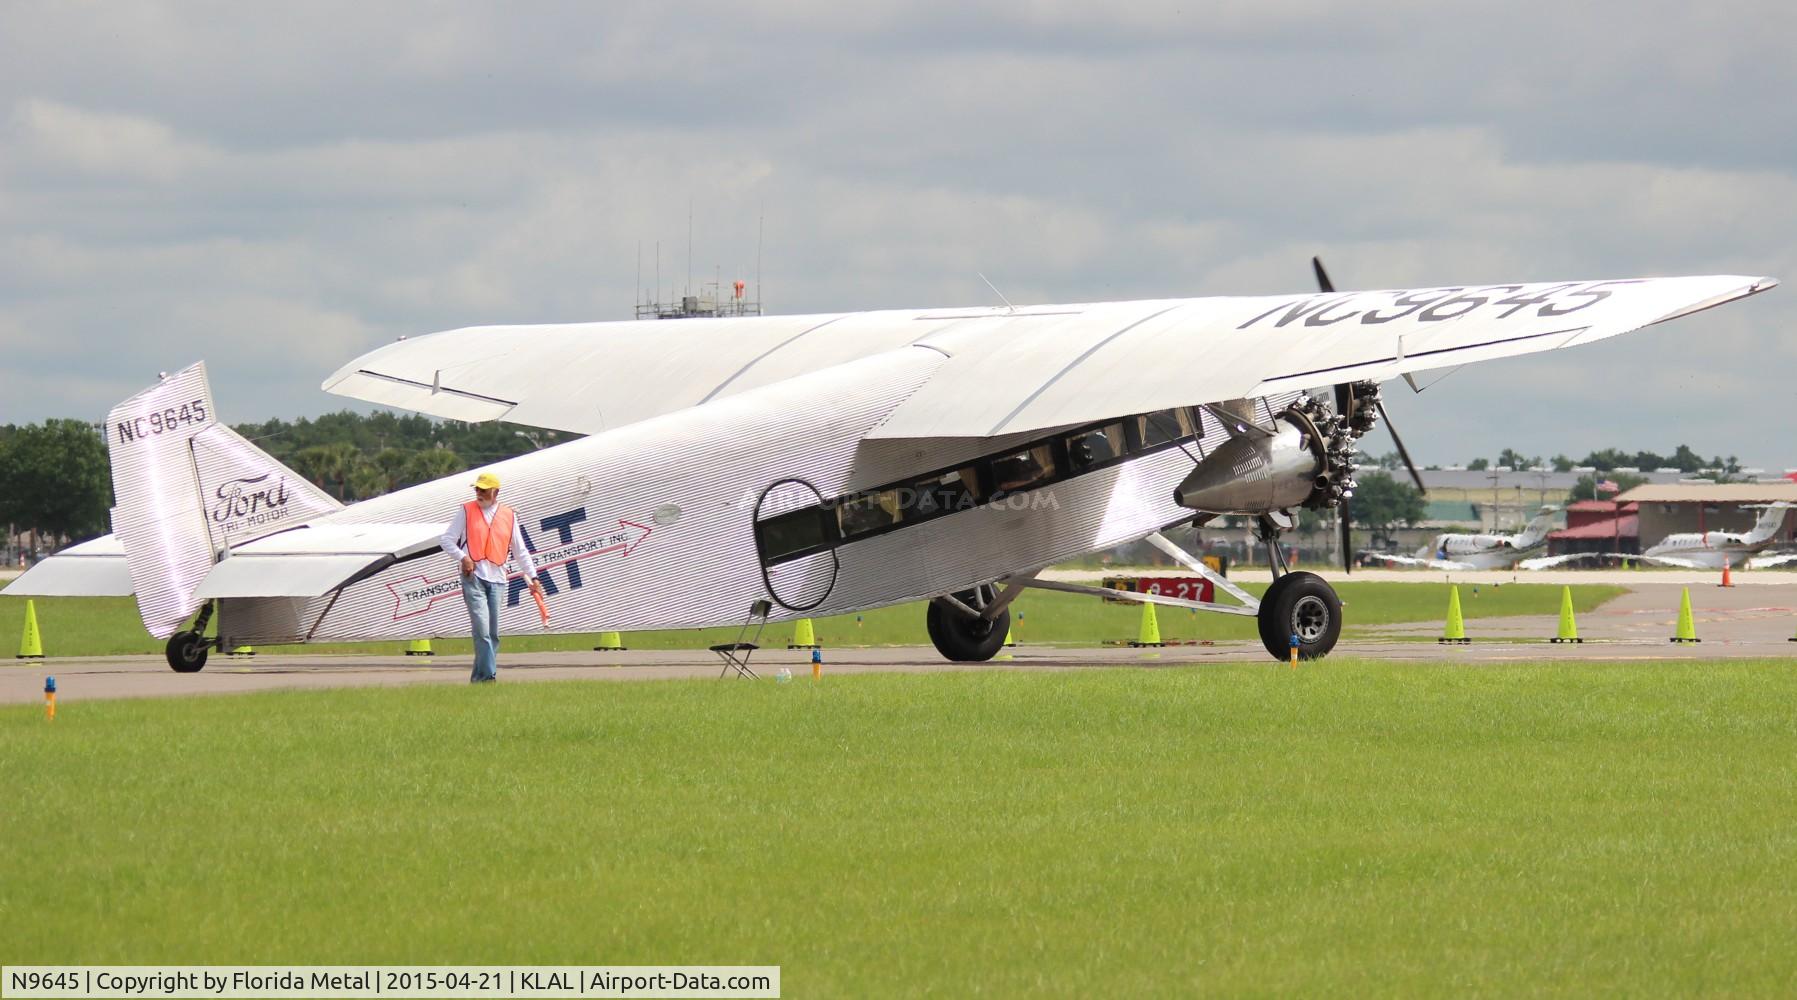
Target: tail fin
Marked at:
1537, 529
187, 488
1771, 519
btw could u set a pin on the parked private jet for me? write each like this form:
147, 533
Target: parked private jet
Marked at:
814, 465
1700, 549
1482, 551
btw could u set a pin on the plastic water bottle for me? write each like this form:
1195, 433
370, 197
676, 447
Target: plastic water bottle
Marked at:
50, 698
784, 676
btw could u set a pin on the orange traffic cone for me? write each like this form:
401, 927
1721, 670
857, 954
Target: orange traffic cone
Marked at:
1726, 582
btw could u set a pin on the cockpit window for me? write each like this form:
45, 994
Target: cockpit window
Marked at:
1163, 427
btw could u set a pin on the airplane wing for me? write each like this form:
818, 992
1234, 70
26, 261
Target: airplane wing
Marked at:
1768, 562
1157, 355
1010, 371
1569, 559
1606, 559
1412, 562
591, 377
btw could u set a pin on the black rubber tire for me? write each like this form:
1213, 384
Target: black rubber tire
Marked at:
1305, 605
1265, 620
963, 639
186, 652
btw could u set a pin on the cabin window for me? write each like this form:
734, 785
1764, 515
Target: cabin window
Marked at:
1163, 427
1094, 447
869, 513
1023, 470
793, 534
943, 494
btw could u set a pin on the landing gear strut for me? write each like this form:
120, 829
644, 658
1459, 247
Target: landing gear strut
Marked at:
1300, 605
970, 626
186, 651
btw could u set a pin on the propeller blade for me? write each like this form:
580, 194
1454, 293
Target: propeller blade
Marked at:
1344, 407
1344, 525
1403, 453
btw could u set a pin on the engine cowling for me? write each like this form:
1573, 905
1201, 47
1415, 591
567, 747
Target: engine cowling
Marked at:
1307, 461
1256, 474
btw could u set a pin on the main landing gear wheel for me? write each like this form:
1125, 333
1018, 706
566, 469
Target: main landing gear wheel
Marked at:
963, 639
1304, 605
186, 652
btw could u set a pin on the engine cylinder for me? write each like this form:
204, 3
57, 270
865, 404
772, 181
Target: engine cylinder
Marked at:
1254, 475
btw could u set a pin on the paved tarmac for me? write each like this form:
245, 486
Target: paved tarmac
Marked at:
1744, 621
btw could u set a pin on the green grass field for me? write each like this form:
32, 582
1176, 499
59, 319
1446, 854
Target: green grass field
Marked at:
1351, 828
109, 626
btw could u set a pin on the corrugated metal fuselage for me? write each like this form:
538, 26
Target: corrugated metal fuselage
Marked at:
653, 525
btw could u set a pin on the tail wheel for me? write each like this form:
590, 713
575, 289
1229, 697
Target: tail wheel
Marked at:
1302, 605
961, 638
186, 652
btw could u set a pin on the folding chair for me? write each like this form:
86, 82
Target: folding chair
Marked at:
736, 654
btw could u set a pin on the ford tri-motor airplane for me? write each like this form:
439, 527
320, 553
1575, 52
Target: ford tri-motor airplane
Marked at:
1481, 551
821, 464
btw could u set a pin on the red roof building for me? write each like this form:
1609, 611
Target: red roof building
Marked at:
1598, 526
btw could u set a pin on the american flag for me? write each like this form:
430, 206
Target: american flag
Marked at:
1608, 486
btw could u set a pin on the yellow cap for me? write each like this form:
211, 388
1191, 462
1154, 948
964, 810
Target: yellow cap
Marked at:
486, 481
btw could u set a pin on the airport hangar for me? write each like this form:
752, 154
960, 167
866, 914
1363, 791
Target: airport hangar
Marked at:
1642, 517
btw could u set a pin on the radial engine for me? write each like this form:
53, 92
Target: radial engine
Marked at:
1305, 459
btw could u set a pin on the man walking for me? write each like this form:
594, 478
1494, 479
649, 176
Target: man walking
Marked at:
483, 534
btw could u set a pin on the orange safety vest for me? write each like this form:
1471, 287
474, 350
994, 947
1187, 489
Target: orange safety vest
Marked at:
489, 542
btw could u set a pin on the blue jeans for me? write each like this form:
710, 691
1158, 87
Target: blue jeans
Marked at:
482, 599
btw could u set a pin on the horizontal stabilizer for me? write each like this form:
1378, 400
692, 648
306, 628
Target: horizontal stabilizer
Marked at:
315, 560
94, 568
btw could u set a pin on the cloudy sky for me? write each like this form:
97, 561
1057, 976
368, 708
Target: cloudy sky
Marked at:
278, 188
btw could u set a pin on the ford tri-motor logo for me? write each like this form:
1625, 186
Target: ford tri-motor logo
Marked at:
247, 503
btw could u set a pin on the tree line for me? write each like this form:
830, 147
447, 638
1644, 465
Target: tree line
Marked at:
56, 482
1682, 458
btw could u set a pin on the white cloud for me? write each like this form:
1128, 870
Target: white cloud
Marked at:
281, 188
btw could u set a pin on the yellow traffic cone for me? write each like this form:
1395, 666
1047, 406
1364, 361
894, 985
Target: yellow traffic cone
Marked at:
242, 651
1010, 636
419, 647
31, 645
1687, 630
1455, 632
610, 642
804, 635
1569, 628
1149, 633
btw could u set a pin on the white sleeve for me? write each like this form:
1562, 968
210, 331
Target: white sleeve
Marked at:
525, 562
452, 536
